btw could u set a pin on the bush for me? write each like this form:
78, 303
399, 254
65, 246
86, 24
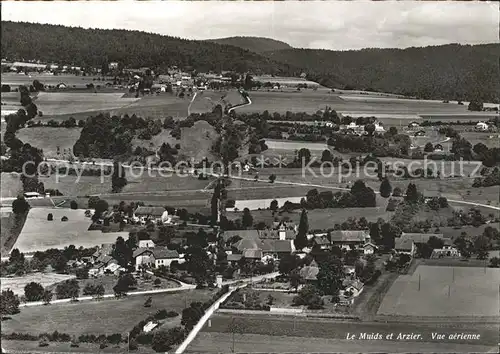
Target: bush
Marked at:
43, 342
160, 314
73, 205
64, 218
171, 314
50, 217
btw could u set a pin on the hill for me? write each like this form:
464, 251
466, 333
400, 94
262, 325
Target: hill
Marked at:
253, 44
95, 47
453, 72
447, 72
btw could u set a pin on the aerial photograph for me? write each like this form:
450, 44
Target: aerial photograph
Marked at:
250, 177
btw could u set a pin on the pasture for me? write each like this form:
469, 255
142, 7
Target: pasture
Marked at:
60, 103
95, 317
11, 185
39, 234
17, 284
318, 218
282, 80
155, 106
51, 139
197, 141
444, 292
355, 105
216, 342
14, 79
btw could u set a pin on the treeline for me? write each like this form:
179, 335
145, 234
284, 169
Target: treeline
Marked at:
94, 47
453, 71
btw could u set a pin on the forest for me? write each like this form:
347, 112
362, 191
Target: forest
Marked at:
451, 72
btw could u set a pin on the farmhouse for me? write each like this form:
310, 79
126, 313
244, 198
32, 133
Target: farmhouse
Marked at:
404, 245
154, 257
355, 287
156, 214
350, 239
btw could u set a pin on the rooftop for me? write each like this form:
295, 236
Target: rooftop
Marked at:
349, 235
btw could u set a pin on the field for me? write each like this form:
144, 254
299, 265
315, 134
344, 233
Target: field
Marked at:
21, 79
355, 105
11, 185
214, 342
109, 281
16, 284
38, 234
318, 218
49, 139
105, 316
444, 292
16, 346
284, 80
147, 182
197, 141
155, 106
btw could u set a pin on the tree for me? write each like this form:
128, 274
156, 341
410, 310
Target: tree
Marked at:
148, 302
9, 303
50, 217
475, 105
100, 207
118, 179
288, 263
163, 340
73, 204
370, 128
33, 291
385, 188
247, 219
124, 283
429, 147
157, 282
198, 264
20, 206
295, 279
304, 156
330, 275
411, 193
68, 289
272, 178
326, 156
47, 296
310, 297
191, 315
389, 233
301, 238
122, 252
396, 192
274, 205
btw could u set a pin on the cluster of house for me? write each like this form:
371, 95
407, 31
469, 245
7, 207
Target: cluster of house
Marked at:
146, 254
407, 244
355, 129
260, 245
351, 285
143, 214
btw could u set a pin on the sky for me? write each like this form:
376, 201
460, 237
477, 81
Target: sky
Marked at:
335, 25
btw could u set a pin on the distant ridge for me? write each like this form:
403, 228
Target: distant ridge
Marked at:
253, 44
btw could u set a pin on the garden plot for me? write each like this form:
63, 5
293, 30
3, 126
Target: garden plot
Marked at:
444, 292
11, 185
39, 234
17, 284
